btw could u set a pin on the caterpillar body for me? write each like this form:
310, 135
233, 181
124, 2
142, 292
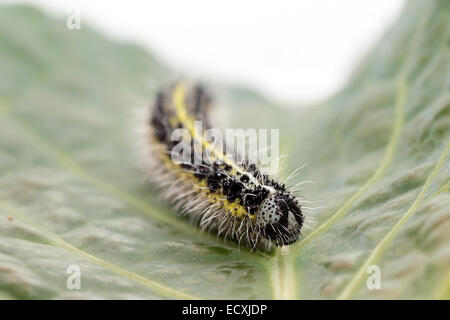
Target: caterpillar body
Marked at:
236, 199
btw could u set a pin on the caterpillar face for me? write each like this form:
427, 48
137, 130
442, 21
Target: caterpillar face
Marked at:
236, 198
279, 218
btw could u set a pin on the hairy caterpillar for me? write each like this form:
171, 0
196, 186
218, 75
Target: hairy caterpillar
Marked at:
235, 198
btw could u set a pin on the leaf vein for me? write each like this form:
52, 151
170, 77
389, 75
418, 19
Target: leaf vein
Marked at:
60, 242
378, 250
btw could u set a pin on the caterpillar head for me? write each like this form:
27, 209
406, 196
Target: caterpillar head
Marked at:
280, 218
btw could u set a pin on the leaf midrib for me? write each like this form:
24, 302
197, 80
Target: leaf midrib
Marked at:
401, 93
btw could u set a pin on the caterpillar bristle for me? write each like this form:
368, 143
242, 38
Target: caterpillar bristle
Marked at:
228, 193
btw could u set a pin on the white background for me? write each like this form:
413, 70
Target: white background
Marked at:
294, 51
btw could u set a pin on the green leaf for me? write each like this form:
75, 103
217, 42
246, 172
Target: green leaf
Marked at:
70, 193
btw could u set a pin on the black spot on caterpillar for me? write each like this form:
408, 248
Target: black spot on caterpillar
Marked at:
236, 199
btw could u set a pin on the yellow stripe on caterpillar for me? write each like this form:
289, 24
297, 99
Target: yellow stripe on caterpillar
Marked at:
238, 200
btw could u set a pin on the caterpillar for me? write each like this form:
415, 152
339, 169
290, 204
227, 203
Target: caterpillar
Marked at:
236, 199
